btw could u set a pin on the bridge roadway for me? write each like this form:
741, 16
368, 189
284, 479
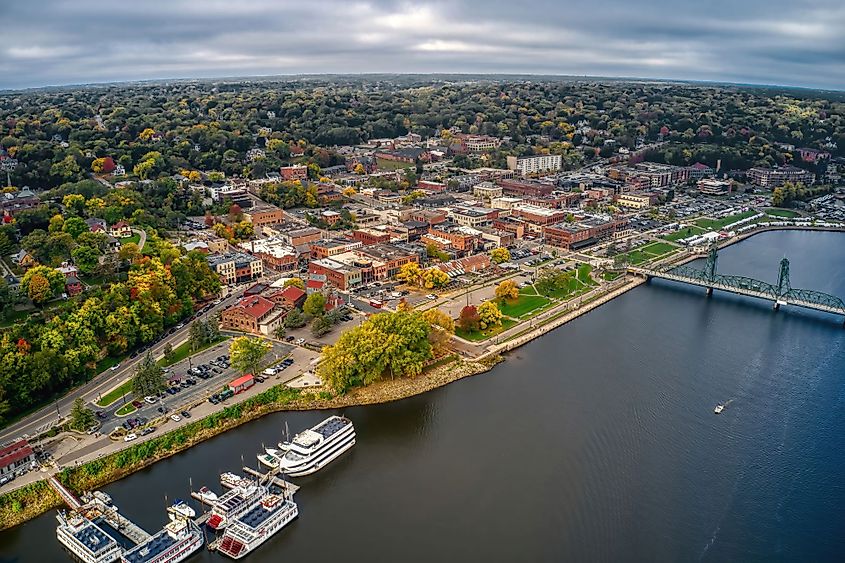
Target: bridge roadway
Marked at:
715, 284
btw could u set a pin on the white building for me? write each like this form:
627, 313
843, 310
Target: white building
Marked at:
486, 190
533, 164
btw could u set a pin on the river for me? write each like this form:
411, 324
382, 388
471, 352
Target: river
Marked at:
597, 442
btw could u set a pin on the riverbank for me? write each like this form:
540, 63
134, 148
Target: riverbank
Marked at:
26, 503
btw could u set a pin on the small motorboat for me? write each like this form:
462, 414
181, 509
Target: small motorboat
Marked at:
207, 495
181, 508
719, 408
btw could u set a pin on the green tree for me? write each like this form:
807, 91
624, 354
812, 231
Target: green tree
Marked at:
85, 258
294, 319
81, 418
75, 226
246, 353
315, 305
149, 378
42, 283
321, 325
74, 203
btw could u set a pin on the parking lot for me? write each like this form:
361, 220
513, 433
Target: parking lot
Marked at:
186, 386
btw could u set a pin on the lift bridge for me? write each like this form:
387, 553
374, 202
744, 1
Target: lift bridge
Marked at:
780, 294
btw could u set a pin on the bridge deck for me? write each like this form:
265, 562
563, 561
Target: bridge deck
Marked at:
737, 290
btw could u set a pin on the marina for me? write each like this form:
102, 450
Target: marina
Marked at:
253, 507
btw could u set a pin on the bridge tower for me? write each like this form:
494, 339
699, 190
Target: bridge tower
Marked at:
784, 284
710, 266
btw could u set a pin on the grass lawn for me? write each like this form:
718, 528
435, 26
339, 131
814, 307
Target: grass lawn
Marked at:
114, 394
384, 164
610, 276
106, 363
684, 233
136, 238
477, 335
658, 248
184, 350
717, 224
778, 212
522, 305
528, 290
125, 409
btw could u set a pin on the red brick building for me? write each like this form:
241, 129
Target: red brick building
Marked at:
255, 314
294, 172
370, 236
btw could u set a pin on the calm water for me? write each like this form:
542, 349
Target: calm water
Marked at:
597, 442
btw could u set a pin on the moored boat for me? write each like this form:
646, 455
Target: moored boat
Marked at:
313, 449
234, 503
255, 526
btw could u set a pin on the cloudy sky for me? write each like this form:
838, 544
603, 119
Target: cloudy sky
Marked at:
789, 42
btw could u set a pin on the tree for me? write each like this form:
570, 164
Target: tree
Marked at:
489, 315
42, 283
386, 343
296, 282
146, 134
321, 325
86, 259
81, 418
315, 305
778, 197
279, 331
149, 378
410, 273
435, 278
168, 353
74, 203
294, 319
500, 255
432, 251
129, 252
443, 327
246, 353
507, 290
75, 226
468, 319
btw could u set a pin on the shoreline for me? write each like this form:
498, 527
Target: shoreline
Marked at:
30, 501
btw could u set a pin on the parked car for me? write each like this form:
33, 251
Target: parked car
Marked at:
130, 437
150, 399
213, 400
175, 417
115, 367
148, 430
431, 296
137, 404
101, 414
171, 391
186, 414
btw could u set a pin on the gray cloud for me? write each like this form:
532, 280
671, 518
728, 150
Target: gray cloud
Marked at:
790, 42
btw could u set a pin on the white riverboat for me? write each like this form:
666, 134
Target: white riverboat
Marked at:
259, 523
313, 449
177, 541
234, 503
85, 540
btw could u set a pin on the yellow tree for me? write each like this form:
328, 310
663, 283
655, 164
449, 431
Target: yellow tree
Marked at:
489, 315
410, 273
434, 278
507, 290
359, 169
499, 255
146, 134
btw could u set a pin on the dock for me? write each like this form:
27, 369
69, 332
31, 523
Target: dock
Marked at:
272, 478
132, 531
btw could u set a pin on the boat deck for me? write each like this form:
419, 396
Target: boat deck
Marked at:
272, 478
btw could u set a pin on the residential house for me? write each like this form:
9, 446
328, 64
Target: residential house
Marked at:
121, 229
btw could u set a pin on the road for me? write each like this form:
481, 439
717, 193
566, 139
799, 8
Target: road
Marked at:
143, 240
45, 417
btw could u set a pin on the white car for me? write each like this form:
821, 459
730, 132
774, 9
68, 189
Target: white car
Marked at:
218, 302
150, 399
130, 437
180, 325
175, 417
114, 367
431, 296
300, 341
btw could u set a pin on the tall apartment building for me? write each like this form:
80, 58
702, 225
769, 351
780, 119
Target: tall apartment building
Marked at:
533, 164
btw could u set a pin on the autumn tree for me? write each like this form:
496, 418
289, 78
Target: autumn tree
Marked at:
500, 255
296, 282
246, 353
507, 290
394, 344
42, 283
435, 278
410, 273
468, 319
489, 315
443, 327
